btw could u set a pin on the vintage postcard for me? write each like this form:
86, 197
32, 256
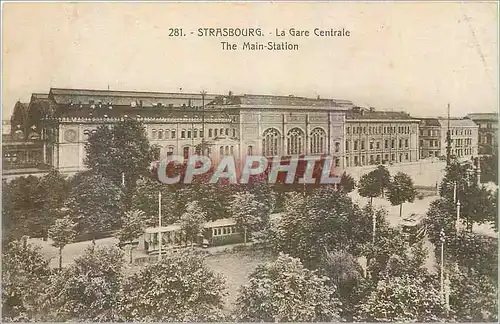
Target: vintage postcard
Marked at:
250, 161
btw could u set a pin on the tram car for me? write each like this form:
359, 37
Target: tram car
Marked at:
215, 233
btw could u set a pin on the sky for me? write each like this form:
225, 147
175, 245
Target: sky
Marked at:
410, 56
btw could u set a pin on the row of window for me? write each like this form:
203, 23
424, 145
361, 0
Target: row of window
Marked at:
227, 230
194, 133
375, 159
379, 130
462, 141
375, 145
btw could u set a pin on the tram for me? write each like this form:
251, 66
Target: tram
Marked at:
215, 233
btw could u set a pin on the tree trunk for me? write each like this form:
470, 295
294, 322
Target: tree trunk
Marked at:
245, 236
60, 258
400, 210
371, 201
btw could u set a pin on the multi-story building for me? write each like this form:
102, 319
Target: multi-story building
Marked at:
60, 121
287, 125
373, 137
488, 131
433, 138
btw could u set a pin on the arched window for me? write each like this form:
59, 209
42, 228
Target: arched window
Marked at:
153, 134
221, 151
271, 142
167, 133
160, 134
295, 141
318, 141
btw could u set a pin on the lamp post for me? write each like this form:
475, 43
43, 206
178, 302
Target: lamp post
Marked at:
455, 192
159, 225
443, 239
457, 224
203, 93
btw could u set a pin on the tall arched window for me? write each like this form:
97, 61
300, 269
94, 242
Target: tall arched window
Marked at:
295, 141
318, 141
271, 142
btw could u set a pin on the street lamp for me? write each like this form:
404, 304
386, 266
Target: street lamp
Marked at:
442, 239
458, 216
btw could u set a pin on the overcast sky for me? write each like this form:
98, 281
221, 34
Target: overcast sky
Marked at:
407, 56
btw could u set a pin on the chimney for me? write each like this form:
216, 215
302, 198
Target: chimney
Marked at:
230, 93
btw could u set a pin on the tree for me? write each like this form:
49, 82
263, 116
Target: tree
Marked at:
22, 201
133, 225
369, 186
94, 204
55, 189
89, 289
62, 233
285, 291
383, 176
192, 221
25, 277
179, 288
249, 214
401, 190
402, 299
121, 149
347, 183
305, 228
145, 198
473, 297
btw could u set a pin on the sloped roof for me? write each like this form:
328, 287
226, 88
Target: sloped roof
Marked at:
126, 98
483, 116
250, 100
366, 114
457, 122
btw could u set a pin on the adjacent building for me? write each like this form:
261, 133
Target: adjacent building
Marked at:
373, 137
433, 138
488, 131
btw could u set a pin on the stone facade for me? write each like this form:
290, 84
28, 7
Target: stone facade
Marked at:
488, 131
463, 134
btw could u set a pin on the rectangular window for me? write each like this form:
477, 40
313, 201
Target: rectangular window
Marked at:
406, 143
393, 143
189, 134
347, 146
356, 161
173, 134
371, 145
227, 131
201, 133
400, 143
234, 132
195, 133
337, 147
363, 145
355, 145
348, 130
160, 134
183, 134
210, 132
362, 160
215, 132
378, 145
386, 144
406, 156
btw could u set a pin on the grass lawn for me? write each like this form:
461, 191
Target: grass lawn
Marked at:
235, 268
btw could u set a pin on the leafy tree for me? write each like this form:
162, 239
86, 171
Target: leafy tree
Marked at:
369, 186
133, 225
285, 291
473, 297
62, 233
192, 221
249, 213
145, 198
55, 189
347, 183
383, 176
90, 289
305, 227
94, 204
22, 201
489, 168
25, 277
214, 199
401, 190
403, 299
121, 149
179, 288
